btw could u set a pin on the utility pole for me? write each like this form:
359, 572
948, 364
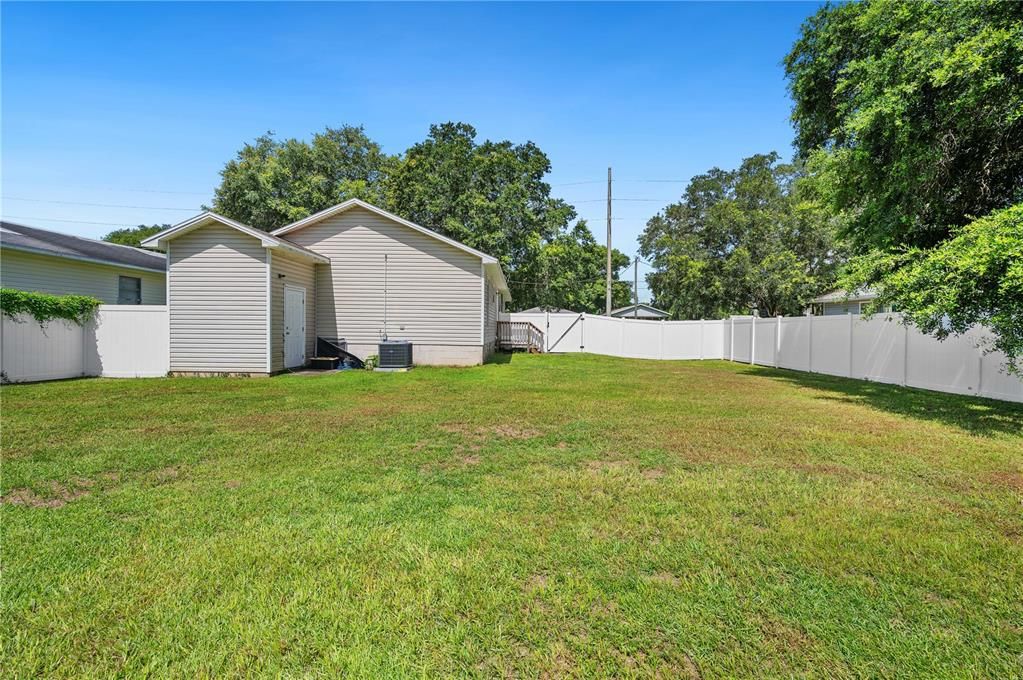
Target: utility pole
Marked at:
608, 293
635, 287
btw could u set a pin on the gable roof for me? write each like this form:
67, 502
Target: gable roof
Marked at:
489, 261
45, 242
267, 240
623, 311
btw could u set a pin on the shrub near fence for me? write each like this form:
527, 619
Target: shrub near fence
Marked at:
880, 348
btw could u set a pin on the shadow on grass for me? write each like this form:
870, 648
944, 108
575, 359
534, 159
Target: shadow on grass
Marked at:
973, 414
500, 358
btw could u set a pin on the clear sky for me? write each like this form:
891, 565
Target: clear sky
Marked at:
138, 106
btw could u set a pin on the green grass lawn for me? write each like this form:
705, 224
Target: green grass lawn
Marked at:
541, 516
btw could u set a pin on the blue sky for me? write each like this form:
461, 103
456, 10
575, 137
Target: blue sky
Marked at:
142, 104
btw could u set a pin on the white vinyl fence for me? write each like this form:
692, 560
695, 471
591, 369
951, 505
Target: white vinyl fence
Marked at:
124, 341
633, 338
881, 348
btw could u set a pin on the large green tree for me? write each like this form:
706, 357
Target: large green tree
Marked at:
910, 115
977, 274
134, 236
489, 195
569, 272
274, 182
914, 110
754, 237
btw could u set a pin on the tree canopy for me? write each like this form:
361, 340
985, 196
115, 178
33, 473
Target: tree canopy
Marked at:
976, 274
134, 236
754, 237
568, 272
914, 111
488, 195
910, 117
274, 182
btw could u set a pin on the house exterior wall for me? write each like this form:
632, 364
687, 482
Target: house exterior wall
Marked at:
834, 308
64, 276
297, 272
218, 302
434, 295
492, 304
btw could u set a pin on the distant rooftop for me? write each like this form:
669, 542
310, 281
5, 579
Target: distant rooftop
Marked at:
43, 241
641, 310
551, 310
840, 295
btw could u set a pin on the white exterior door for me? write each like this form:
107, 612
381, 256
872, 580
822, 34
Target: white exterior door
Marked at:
294, 326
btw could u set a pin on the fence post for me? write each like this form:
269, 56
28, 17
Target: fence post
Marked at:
752, 339
702, 331
849, 314
81, 330
660, 340
777, 343
731, 339
905, 353
980, 372
809, 347
621, 337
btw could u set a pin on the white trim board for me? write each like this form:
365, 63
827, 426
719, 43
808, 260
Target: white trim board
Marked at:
269, 316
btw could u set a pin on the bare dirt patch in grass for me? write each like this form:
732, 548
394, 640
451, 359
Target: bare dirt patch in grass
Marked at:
664, 578
536, 582
59, 495
607, 465
787, 636
1013, 480
165, 475
505, 431
653, 473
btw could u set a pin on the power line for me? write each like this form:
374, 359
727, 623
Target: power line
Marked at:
54, 219
572, 184
98, 205
640, 181
602, 200
133, 191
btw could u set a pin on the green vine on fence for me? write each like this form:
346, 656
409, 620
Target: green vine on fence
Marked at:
77, 309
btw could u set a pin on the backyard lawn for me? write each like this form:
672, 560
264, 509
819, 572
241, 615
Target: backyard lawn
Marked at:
539, 516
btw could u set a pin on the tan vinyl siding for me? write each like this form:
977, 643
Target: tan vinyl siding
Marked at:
217, 302
433, 288
493, 301
297, 272
64, 276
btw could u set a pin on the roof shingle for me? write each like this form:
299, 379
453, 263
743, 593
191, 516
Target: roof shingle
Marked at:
20, 237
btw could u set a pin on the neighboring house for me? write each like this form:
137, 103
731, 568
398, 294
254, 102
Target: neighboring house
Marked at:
841, 302
547, 310
246, 301
45, 261
640, 311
